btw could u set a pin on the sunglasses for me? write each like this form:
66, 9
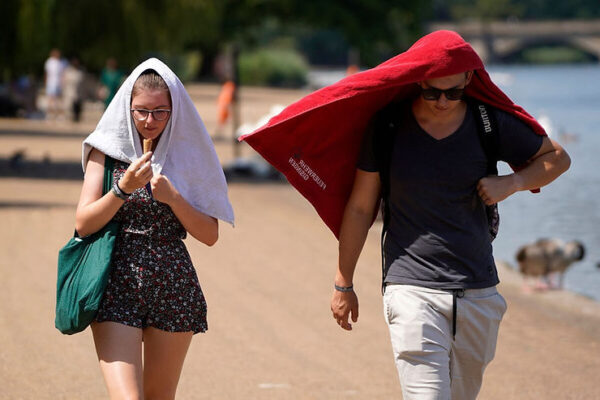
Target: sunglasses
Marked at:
432, 93
141, 115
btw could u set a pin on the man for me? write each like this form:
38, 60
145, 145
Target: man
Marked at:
440, 300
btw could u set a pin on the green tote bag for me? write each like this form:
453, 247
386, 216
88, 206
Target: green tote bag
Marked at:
83, 269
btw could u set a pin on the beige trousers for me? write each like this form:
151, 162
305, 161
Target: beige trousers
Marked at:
432, 365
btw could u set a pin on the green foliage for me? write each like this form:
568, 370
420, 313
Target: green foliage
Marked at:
185, 65
377, 29
8, 39
273, 67
323, 46
131, 30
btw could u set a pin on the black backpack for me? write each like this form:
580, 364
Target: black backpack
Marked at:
385, 125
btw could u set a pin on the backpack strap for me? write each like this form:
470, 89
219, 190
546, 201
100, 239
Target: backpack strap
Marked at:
487, 129
385, 125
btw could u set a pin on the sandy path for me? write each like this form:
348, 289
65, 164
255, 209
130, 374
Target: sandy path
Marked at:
268, 283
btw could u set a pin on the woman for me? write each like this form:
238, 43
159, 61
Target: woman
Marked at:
153, 302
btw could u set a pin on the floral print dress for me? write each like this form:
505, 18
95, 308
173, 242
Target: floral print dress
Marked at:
153, 281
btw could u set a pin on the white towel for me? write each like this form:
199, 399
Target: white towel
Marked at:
185, 153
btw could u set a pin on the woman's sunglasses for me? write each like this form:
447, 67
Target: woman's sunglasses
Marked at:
432, 93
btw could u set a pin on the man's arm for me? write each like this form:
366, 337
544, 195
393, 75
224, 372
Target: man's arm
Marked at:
550, 161
356, 222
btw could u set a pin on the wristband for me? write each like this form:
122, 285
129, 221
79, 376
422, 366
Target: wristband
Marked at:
344, 288
116, 190
122, 191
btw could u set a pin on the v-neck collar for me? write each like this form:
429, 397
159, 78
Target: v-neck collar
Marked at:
454, 134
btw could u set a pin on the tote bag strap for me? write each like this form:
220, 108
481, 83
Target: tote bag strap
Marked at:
108, 176
107, 182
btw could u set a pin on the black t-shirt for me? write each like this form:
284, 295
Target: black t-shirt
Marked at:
438, 230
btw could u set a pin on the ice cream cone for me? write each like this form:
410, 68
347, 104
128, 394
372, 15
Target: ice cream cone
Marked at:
147, 145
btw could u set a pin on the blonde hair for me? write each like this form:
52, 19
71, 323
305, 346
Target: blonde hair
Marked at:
149, 80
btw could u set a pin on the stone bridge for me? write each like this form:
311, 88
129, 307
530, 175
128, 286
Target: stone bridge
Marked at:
495, 41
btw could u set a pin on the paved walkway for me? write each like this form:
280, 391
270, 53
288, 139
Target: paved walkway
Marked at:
268, 283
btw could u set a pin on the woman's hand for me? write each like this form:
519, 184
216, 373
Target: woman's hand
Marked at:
201, 226
137, 175
163, 190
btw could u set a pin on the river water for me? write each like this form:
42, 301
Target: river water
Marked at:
566, 100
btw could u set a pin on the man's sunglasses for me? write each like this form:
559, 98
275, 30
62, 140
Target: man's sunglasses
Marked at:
432, 93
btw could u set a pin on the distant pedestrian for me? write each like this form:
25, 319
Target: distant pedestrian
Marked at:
73, 79
53, 70
110, 78
224, 104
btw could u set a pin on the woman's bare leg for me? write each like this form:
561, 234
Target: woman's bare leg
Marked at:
119, 349
164, 353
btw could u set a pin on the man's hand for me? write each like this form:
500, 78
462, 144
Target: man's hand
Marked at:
342, 305
546, 165
493, 189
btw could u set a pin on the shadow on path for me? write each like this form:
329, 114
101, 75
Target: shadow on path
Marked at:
33, 204
15, 167
46, 132
18, 166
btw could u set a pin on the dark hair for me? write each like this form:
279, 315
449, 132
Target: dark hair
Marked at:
149, 80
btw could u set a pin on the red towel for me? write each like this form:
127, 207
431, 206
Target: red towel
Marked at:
315, 142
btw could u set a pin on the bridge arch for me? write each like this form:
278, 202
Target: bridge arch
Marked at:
508, 49
497, 40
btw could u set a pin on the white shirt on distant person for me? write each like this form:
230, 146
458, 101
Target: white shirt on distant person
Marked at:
54, 68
